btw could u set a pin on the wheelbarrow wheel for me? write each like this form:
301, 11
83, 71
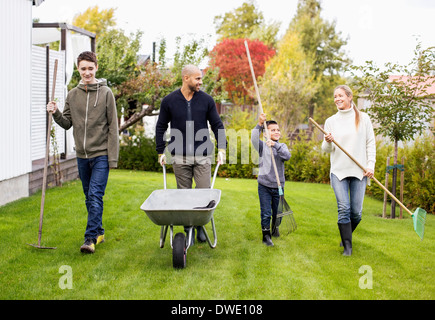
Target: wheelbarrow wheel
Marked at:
179, 251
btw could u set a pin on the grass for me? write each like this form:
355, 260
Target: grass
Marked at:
306, 264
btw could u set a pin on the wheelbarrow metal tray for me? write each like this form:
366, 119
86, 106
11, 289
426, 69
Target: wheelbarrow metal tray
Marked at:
177, 206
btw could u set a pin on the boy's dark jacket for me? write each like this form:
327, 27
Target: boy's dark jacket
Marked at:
91, 110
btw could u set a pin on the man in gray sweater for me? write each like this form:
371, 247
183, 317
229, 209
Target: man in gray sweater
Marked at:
268, 191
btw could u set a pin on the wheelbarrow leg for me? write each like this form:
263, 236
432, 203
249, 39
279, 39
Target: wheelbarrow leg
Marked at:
163, 232
212, 245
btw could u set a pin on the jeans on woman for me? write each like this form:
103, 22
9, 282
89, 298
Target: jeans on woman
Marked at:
269, 201
349, 193
94, 173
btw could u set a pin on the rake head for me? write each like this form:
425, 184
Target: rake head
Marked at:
419, 218
285, 217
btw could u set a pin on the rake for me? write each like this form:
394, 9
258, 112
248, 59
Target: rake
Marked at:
44, 179
284, 215
419, 215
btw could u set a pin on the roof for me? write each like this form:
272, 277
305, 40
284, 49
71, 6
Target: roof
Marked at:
431, 79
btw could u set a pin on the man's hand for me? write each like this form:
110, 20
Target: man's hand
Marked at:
162, 159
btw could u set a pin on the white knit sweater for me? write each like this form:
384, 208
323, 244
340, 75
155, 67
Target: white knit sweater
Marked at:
360, 144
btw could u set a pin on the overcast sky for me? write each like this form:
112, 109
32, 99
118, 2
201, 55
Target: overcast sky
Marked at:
378, 30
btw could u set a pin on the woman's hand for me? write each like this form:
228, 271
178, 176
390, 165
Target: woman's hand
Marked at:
369, 173
329, 138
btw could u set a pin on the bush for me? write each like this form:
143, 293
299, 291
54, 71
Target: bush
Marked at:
136, 152
419, 180
309, 164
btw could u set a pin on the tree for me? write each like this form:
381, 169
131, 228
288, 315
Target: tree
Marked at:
288, 83
230, 58
148, 88
401, 105
246, 22
319, 39
95, 21
117, 56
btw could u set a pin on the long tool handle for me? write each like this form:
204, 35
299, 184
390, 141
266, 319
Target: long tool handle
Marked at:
364, 169
215, 174
47, 154
260, 107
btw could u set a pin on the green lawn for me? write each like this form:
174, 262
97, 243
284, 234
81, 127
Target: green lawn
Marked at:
306, 264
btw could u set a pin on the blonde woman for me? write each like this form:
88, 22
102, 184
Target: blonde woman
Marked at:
353, 130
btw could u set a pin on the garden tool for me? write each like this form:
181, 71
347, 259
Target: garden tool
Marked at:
284, 215
47, 154
419, 215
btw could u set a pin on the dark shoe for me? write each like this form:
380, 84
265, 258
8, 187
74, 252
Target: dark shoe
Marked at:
200, 235
346, 237
354, 225
88, 246
266, 238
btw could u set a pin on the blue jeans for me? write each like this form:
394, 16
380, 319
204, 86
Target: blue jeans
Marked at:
94, 173
349, 193
269, 200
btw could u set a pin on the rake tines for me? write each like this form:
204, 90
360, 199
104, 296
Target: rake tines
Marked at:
285, 217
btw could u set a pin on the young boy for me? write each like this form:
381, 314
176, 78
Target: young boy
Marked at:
268, 192
90, 108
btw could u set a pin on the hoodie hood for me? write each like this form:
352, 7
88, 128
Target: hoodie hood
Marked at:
93, 86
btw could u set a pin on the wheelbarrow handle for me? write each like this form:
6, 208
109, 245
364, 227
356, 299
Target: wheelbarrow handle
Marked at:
212, 184
215, 174
164, 176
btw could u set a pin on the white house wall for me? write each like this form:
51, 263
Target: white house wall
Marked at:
39, 114
15, 88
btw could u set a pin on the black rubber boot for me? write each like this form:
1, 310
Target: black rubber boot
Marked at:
353, 225
200, 235
346, 237
275, 227
266, 238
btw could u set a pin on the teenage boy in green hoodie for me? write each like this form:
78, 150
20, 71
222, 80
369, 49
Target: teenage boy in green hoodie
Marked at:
90, 108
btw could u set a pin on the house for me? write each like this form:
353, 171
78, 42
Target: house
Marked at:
25, 88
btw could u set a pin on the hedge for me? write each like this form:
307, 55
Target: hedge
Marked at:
309, 164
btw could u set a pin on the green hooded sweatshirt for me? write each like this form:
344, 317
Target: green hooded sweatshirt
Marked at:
91, 110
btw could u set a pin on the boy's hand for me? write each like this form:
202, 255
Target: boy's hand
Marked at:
261, 119
270, 143
52, 106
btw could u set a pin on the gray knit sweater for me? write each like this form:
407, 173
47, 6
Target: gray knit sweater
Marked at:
266, 175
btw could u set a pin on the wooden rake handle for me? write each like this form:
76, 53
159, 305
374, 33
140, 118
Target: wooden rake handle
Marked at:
364, 169
260, 107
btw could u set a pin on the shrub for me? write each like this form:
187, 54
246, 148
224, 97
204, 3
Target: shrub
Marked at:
419, 180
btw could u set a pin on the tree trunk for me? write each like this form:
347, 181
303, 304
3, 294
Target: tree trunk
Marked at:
136, 117
393, 191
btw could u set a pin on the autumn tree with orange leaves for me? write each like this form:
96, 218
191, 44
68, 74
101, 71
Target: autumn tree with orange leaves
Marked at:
230, 59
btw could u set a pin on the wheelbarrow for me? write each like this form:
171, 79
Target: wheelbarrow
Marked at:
182, 207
